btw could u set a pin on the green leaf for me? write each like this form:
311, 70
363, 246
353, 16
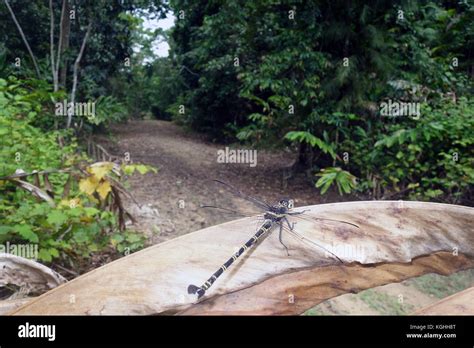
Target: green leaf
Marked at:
57, 218
81, 236
74, 212
132, 238
128, 169
118, 238
344, 180
90, 211
45, 255
142, 169
39, 209
27, 233
5, 229
307, 137
53, 252
325, 185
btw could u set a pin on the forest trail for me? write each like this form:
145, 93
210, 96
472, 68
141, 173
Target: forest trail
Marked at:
187, 164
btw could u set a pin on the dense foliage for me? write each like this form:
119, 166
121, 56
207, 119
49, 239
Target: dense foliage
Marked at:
314, 76
74, 223
51, 195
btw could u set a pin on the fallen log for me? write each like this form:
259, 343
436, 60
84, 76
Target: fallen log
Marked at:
396, 240
31, 276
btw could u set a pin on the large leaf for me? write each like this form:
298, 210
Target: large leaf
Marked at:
103, 189
396, 240
57, 218
89, 185
26, 232
100, 169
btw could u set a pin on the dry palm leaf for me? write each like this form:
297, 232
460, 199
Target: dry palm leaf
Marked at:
396, 240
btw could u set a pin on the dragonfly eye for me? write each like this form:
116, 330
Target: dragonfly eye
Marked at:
291, 204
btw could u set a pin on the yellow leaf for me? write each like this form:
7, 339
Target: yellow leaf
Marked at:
103, 189
101, 170
71, 203
88, 185
74, 203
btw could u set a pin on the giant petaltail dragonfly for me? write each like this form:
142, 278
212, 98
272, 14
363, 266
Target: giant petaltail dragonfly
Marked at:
273, 215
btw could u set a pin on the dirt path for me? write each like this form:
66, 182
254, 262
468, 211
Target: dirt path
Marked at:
186, 165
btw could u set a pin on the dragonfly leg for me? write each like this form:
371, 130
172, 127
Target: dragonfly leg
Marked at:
290, 226
280, 239
298, 212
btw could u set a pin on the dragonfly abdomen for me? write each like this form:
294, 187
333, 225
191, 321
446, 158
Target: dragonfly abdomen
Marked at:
200, 291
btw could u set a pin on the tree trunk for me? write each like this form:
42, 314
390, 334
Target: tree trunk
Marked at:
65, 33
303, 155
51, 47
305, 160
76, 72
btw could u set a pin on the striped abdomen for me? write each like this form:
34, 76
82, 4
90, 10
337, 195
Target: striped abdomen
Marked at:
264, 228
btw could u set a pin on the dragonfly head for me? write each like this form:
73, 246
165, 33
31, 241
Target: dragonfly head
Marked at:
286, 203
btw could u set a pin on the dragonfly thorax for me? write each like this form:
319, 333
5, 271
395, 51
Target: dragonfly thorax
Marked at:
270, 215
279, 210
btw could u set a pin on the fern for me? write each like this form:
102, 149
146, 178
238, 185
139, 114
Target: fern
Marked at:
308, 138
344, 180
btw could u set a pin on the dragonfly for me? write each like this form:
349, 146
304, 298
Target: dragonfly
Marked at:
274, 215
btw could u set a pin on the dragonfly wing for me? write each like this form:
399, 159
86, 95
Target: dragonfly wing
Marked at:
257, 202
310, 218
310, 242
230, 211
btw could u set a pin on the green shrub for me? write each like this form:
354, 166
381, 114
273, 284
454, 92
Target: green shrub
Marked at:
428, 158
74, 223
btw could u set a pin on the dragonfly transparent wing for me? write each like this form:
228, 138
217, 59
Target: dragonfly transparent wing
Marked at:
226, 210
309, 242
236, 192
307, 217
